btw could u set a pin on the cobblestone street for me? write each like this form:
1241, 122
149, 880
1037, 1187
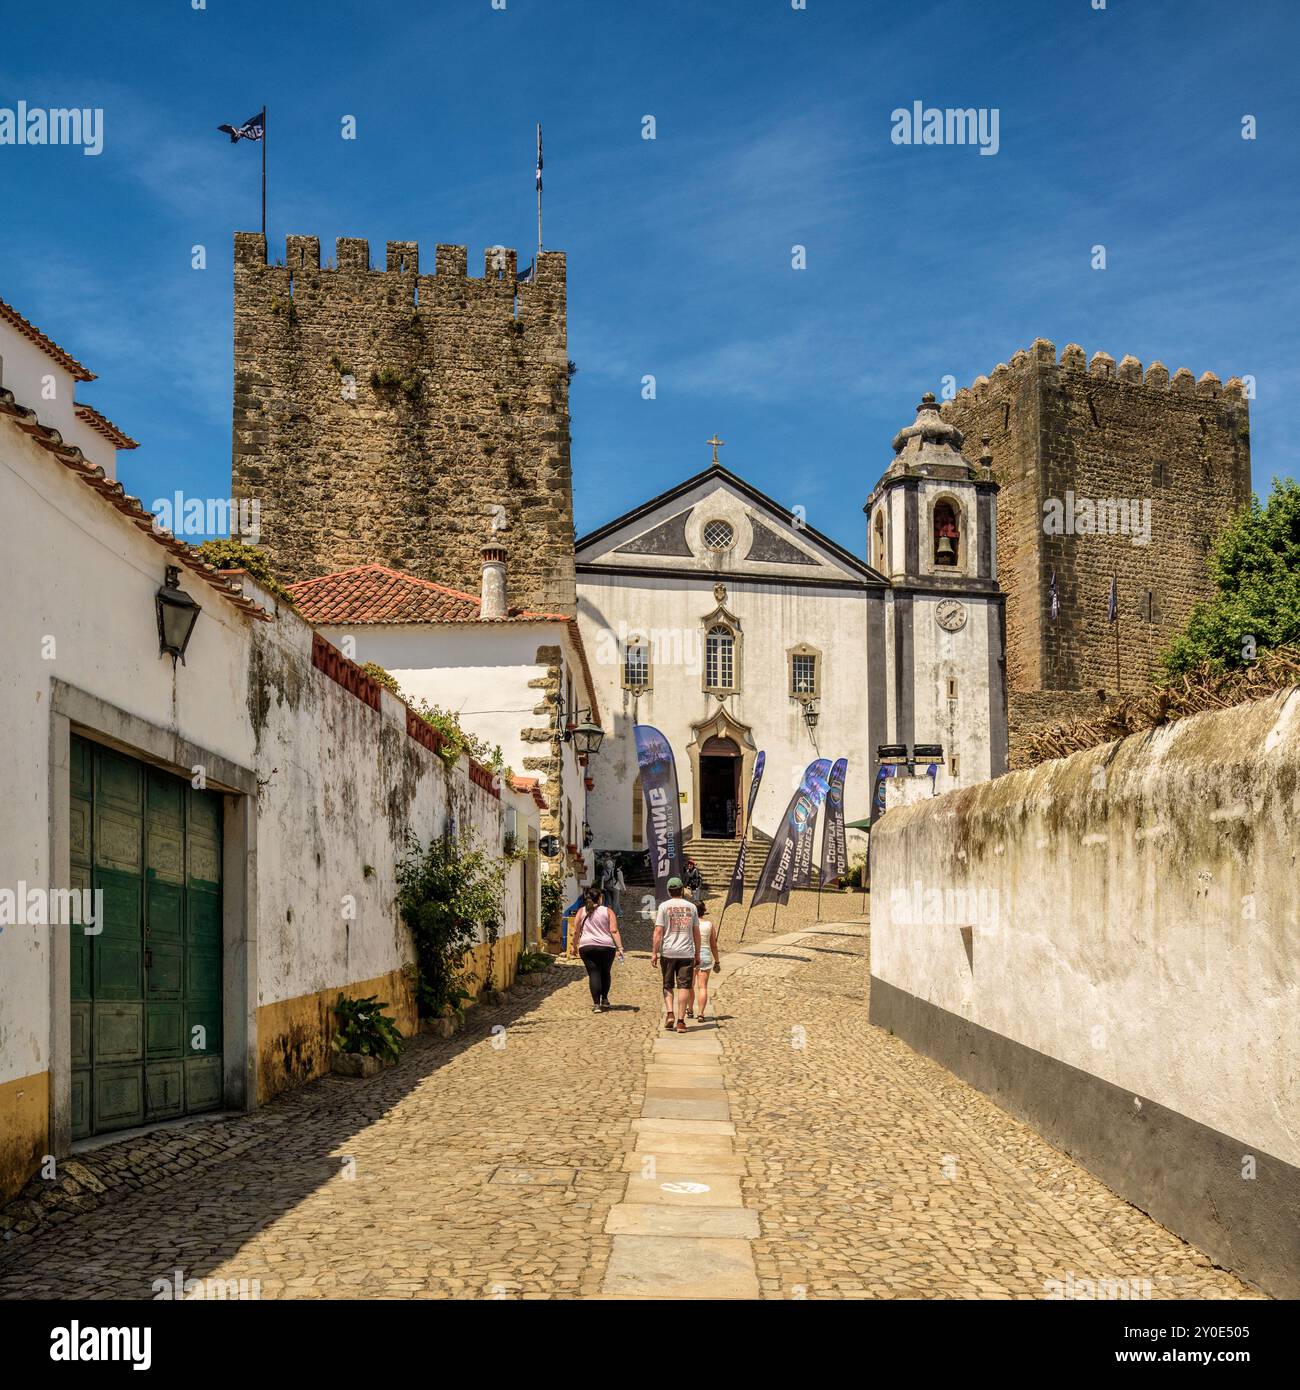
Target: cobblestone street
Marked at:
835, 1163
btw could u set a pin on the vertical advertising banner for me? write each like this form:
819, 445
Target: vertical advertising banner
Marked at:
835, 849
801, 877
778, 868
736, 892
663, 817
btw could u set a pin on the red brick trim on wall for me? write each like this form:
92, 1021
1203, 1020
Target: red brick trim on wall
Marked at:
326, 657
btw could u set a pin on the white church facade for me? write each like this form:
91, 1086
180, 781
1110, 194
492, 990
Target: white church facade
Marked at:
719, 617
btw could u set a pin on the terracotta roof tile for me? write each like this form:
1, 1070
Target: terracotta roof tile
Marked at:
47, 345
101, 424
377, 594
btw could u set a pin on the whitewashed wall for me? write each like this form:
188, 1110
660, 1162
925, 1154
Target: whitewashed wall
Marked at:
1109, 942
773, 618
339, 782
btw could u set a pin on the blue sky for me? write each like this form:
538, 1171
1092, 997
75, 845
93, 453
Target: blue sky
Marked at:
1120, 127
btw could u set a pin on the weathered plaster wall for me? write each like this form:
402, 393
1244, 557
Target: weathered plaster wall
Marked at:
336, 783
1122, 945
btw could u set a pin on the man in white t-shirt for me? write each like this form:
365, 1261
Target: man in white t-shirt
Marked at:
676, 950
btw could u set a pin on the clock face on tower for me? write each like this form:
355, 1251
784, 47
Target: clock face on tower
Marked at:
950, 614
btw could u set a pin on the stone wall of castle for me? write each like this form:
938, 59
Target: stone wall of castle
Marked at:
393, 417
1104, 431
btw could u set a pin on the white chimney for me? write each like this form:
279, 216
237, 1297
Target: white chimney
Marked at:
493, 602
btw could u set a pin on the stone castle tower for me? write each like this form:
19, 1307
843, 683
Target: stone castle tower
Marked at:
392, 417
1068, 432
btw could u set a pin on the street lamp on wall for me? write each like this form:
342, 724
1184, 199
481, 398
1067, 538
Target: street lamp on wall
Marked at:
811, 713
177, 614
585, 735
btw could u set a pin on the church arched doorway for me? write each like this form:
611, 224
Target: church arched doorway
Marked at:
720, 762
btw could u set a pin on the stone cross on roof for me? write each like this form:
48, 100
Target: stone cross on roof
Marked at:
717, 444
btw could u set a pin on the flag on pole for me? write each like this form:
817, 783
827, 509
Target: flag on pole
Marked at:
835, 851
736, 890
1056, 598
254, 128
774, 881
1112, 609
539, 159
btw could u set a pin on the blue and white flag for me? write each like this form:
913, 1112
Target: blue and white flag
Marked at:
539, 159
1112, 609
1056, 598
254, 128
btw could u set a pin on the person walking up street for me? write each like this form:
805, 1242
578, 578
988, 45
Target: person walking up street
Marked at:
614, 893
599, 944
710, 959
676, 950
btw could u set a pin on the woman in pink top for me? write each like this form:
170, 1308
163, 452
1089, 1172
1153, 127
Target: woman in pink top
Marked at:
598, 944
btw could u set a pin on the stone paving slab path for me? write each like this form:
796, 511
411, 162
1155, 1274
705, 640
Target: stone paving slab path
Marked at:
782, 1149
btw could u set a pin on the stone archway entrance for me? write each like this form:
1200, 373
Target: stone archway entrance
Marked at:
719, 788
722, 761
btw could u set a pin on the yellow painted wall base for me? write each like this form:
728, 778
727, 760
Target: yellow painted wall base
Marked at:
24, 1130
293, 1035
505, 961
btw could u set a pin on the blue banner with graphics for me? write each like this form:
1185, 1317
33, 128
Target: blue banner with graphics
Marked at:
663, 816
835, 850
778, 868
803, 845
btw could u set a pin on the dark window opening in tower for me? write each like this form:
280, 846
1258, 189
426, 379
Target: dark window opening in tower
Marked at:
945, 534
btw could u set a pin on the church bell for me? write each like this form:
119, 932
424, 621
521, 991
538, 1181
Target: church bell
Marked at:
945, 553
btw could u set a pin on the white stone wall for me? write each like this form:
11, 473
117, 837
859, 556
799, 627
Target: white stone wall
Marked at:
481, 672
773, 618
41, 384
339, 782
960, 725
1132, 913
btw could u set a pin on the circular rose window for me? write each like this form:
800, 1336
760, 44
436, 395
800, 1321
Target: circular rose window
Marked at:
718, 535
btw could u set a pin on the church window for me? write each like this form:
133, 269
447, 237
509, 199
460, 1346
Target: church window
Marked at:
720, 658
636, 665
878, 550
946, 535
718, 535
803, 675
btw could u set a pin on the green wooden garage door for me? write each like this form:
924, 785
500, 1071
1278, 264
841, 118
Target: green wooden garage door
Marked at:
146, 992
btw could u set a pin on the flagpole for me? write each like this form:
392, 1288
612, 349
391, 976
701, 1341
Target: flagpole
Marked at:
539, 188
264, 173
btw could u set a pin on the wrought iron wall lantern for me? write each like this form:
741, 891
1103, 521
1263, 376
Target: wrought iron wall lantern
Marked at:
177, 614
585, 735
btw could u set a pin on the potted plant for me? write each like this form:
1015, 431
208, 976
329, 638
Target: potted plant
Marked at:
367, 1038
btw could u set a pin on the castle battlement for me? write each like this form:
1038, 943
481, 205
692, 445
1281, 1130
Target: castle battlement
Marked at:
352, 255
382, 415
1074, 361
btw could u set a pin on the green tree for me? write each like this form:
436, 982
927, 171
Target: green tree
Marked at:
1255, 567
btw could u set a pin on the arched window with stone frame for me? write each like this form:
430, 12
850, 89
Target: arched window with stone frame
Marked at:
947, 540
879, 559
721, 667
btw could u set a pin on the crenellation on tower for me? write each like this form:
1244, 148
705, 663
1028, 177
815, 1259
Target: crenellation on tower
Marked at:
386, 416
1174, 451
